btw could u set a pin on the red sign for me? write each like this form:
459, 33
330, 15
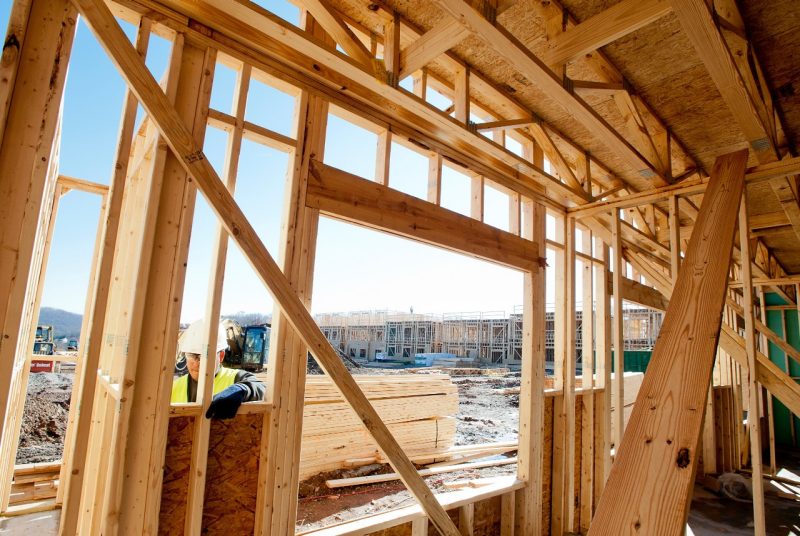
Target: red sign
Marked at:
41, 366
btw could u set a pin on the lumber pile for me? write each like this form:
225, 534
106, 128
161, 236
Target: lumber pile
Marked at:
473, 371
34, 482
419, 410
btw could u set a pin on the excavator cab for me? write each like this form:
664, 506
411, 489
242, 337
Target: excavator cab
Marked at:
256, 346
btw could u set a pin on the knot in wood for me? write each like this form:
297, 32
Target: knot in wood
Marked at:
683, 458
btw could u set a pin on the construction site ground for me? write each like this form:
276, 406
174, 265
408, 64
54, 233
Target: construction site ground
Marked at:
487, 413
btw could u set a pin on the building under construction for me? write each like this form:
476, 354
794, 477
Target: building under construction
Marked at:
648, 144
484, 338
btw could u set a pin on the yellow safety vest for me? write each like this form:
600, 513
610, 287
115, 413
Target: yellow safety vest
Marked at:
224, 378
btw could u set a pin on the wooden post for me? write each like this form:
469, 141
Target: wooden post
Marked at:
34, 295
674, 237
421, 83
83, 393
466, 519
435, 178
603, 344
391, 50
461, 97
587, 388
653, 473
384, 153
276, 507
419, 527
773, 464
788, 369
619, 334
288, 354
219, 252
569, 380
560, 356
133, 489
507, 515
28, 134
528, 510
476, 195
750, 373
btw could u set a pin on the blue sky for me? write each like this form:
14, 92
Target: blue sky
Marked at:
356, 268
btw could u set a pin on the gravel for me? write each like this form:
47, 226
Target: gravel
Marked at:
44, 421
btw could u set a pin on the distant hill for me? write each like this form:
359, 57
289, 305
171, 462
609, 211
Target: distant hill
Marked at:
65, 324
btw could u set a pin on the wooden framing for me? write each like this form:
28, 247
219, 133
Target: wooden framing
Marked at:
28, 134
669, 448
752, 389
113, 464
603, 28
277, 501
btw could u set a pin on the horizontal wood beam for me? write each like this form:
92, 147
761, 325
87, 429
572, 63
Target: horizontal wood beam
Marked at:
351, 198
755, 175
635, 292
765, 282
532, 68
505, 124
181, 142
605, 27
73, 183
650, 483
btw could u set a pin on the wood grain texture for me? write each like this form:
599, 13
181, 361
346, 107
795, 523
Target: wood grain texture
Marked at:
175, 486
181, 142
605, 27
351, 198
650, 482
515, 53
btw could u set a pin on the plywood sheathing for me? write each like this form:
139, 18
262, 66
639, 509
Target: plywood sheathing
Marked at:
663, 67
230, 496
772, 29
773, 33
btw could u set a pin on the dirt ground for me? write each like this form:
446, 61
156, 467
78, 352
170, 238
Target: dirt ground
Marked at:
44, 420
485, 415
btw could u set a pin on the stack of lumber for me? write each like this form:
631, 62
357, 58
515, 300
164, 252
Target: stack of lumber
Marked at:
34, 482
418, 409
472, 371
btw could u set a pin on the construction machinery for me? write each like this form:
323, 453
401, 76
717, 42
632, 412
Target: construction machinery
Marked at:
248, 346
43, 345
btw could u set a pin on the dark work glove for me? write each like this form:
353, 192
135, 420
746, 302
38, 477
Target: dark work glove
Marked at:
226, 403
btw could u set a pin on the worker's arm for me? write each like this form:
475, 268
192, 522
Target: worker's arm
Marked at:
255, 388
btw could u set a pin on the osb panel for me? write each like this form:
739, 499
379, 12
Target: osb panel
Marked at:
177, 461
232, 481
773, 29
486, 521
547, 463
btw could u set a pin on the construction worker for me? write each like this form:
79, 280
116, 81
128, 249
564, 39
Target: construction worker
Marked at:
231, 386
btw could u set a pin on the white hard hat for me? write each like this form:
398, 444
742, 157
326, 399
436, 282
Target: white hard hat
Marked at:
193, 339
